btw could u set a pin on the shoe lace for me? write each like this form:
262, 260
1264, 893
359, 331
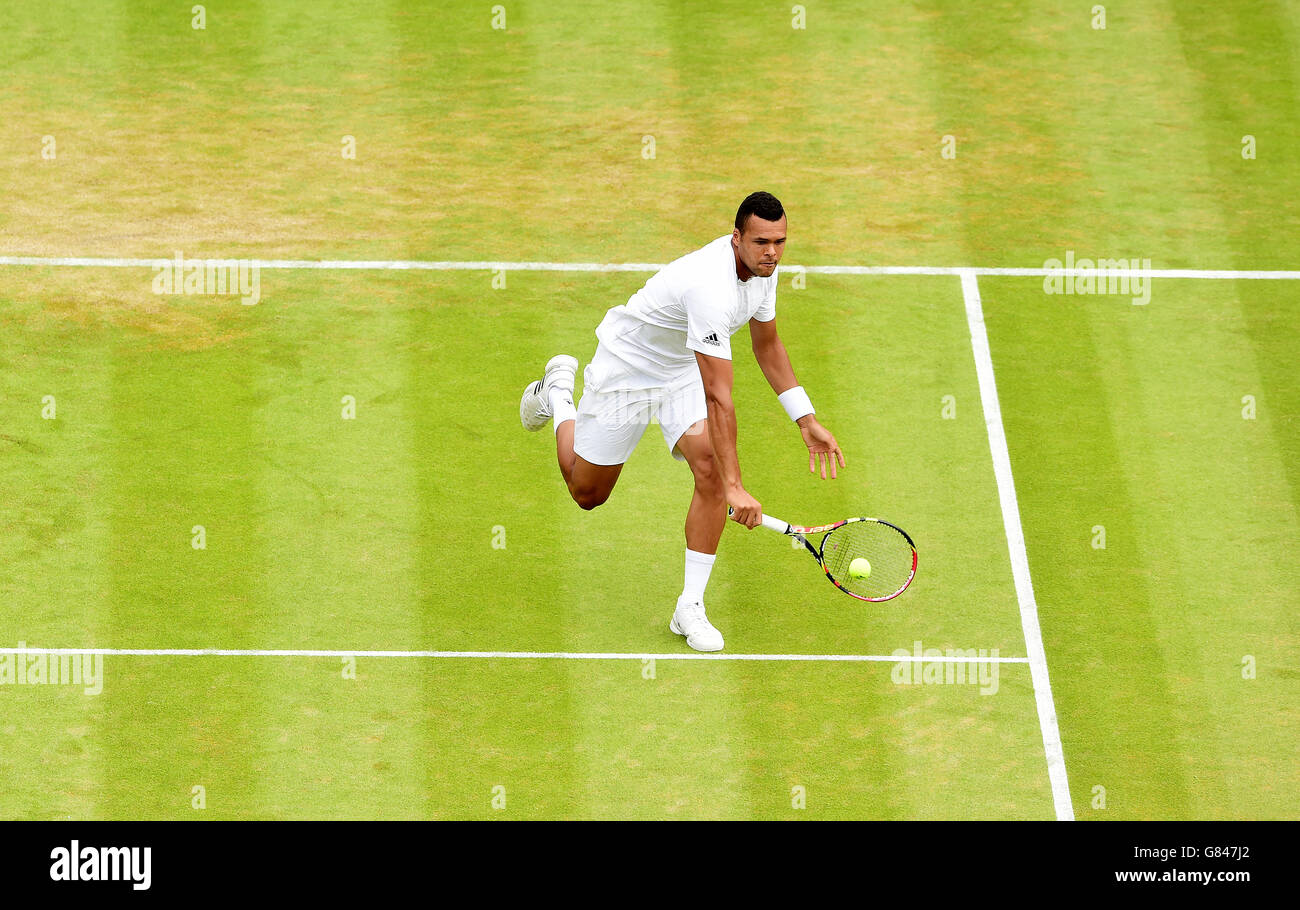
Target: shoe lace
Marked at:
695, 613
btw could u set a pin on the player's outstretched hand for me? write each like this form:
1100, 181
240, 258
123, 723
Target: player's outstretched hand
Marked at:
744, 508
822, 447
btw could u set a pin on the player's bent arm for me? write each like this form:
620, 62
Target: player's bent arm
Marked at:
772, 357
774, 360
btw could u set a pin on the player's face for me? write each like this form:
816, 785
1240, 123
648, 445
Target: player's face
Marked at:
760, 245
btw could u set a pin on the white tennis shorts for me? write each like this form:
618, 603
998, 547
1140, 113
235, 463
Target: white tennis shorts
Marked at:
617, 406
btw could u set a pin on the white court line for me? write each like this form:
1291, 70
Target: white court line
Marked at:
485, 265
533, 655
979, 341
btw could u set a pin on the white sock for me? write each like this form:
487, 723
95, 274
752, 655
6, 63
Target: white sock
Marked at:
698, 567
562, 408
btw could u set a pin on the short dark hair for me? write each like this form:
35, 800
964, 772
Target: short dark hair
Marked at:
764, 205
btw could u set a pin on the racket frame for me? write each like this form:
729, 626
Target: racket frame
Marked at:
800, 533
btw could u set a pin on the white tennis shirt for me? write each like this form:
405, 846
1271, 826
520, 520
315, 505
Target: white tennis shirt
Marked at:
694, 303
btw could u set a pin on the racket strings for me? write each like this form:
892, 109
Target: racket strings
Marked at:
890, 554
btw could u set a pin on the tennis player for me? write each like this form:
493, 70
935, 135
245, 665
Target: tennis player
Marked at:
666, 355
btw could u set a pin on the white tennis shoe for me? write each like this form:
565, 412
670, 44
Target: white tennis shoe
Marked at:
535, 405
689, 620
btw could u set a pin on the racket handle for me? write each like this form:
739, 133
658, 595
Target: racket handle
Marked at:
772, 524
776, 524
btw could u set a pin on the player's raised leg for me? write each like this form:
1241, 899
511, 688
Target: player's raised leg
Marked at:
705, 520
589, 484
552, 396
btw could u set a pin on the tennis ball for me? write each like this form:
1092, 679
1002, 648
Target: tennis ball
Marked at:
859, 568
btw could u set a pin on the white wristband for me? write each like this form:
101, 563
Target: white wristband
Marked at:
796, 402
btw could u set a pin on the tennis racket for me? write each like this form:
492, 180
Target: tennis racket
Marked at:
887, 548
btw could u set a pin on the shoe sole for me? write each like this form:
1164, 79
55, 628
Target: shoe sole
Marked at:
672, 626
533, 388
538, 386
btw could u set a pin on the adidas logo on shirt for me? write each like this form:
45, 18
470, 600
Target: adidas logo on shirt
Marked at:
712, 338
